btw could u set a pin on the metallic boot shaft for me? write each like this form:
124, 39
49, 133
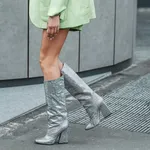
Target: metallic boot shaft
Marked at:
56, 101
56, 113
91, 101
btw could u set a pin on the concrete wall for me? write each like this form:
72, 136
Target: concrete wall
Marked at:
97, 38
106, 41
13, 39
124, 30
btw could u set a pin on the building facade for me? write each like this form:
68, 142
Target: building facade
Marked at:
106, 41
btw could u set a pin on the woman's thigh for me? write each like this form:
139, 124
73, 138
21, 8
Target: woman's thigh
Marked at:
50, 49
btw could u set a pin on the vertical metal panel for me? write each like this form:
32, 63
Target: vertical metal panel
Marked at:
70, 51
134, 24
124, 30
97, 38
35, 36
13, 39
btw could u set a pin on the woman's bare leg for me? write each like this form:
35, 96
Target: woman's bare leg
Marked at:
49, 54
54, 90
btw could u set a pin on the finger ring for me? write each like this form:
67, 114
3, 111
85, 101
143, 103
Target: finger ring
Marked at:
51, 35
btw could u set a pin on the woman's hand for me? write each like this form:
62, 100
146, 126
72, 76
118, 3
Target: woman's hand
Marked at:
53, 26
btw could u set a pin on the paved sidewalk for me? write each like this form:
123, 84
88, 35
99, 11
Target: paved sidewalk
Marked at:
79, 139
20, 133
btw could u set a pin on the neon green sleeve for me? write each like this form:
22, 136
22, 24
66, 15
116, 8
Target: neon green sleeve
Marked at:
56, 7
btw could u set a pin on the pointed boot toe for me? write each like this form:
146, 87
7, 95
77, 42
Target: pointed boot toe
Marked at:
46, 140
91, 126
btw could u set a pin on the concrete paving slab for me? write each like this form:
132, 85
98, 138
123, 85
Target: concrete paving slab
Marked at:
79, 139
17, 100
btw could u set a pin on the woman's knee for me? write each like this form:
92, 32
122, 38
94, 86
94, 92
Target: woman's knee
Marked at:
48, 66
43, 59
45, 64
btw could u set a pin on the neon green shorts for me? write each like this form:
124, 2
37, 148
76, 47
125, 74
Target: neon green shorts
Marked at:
78, 28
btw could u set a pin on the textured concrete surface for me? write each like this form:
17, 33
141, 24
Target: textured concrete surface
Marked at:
79, 139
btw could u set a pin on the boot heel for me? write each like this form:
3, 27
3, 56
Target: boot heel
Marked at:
105, 111
63, 137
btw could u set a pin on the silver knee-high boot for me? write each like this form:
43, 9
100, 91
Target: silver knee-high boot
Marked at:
56, 113
91, 101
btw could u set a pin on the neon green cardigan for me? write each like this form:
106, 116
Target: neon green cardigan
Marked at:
73, 13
